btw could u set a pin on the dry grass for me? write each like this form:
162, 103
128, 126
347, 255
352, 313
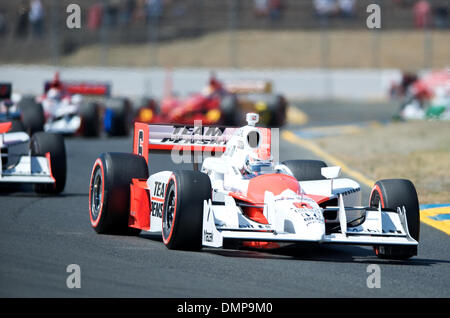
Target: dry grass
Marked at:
419, 151
280, 49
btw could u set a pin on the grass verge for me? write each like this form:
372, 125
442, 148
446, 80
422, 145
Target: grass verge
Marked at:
419, 151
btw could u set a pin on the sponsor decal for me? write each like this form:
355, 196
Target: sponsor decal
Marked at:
158, 199
157, 209
159, 189
208, 236
140, 142
309, 215
196, 135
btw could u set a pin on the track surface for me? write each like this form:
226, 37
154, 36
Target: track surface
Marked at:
41, 236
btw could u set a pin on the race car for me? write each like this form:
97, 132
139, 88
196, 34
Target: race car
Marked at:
241, 195
82, 108
426, 97
39, 160
218, 103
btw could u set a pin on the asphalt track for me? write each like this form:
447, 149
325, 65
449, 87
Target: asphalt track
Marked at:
41, 236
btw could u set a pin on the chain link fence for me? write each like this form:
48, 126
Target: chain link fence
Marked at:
227, 33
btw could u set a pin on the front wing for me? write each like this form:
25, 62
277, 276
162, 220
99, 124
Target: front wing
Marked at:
29, 169
381, 228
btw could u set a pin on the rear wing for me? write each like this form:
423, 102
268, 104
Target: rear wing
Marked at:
83, 88
190, 140
249, 86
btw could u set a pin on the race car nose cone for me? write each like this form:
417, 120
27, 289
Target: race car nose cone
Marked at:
318, 232
309, 225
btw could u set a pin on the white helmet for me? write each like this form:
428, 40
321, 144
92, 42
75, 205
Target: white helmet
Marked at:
54, 94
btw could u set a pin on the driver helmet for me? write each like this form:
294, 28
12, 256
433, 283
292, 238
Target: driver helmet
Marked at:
254, 165
54, 94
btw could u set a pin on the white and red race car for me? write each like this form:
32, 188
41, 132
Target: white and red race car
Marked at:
82, 108
239, 194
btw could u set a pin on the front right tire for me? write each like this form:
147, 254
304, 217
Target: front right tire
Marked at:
183, 209
42, 143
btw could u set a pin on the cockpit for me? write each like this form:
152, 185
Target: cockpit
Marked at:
256, 167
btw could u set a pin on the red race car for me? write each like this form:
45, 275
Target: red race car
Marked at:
218, 104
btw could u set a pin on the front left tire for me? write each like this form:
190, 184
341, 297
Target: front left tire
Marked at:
306, 170
109, 191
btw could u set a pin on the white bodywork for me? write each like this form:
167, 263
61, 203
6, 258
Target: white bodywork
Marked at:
291, 217
62, 114
25, 168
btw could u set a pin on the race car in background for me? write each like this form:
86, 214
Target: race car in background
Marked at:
81, 108
39, 160
425, 97
258, 97
239, 194
219, 103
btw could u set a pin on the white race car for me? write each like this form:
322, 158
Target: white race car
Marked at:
83, 108
239, 194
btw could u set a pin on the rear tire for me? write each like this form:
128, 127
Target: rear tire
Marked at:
109, 191
32, 115
90, 119
183, 209
393, 193
306, 170
277, 107
230, 112
42, 143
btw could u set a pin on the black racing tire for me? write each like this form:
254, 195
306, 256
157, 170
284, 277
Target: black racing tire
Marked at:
42, 143
230, 113
276, 105
90, 119
394, 193
279, 112
306, 170
183, 209
31, 114
109, 191
120, 112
